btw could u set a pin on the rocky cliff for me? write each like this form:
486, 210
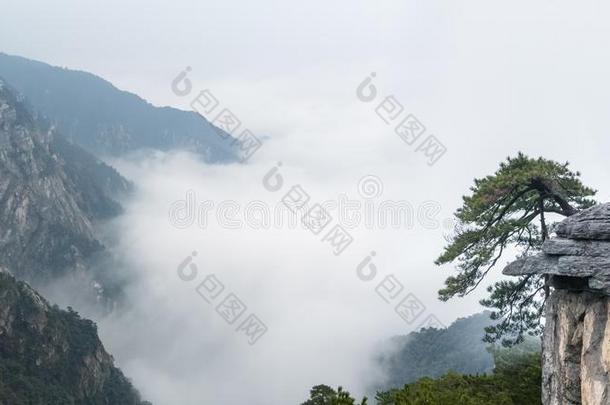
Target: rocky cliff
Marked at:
53, 357
576, 342
51, 194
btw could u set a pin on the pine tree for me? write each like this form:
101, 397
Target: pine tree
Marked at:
509, 212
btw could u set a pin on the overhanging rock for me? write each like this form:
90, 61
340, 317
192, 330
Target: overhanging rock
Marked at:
581, 250
576, 342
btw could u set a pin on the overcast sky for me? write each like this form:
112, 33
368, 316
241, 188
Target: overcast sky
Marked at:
488, 79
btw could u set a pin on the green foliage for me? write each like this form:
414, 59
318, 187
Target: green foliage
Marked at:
506, 212
516, 381
320, 395
325, 395
53, 357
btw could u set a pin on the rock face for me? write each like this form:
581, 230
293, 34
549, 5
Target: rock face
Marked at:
576, 349
50, 356
51, 194
576, 343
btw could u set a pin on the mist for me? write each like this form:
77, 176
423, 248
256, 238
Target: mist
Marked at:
324, 323
324, 311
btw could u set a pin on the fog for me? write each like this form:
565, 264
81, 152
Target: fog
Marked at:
325, 313
324, 321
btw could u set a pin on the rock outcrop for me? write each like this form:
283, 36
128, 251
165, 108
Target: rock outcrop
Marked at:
576, 342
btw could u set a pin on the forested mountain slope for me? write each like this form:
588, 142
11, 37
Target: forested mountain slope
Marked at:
53, 357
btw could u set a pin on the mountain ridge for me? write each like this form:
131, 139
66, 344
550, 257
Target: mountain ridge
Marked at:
106, 121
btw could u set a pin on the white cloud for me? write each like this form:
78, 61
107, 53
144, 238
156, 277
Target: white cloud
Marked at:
323, 321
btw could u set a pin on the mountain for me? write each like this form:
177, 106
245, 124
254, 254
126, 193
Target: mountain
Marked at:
433, 352
53, 357
92, 113
515, 380
449, 366
52, 193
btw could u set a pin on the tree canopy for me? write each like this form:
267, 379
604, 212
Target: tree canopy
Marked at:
516, 380
507, 212
325, 395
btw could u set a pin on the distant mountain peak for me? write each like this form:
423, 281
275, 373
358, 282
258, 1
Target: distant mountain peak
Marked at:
106, 121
